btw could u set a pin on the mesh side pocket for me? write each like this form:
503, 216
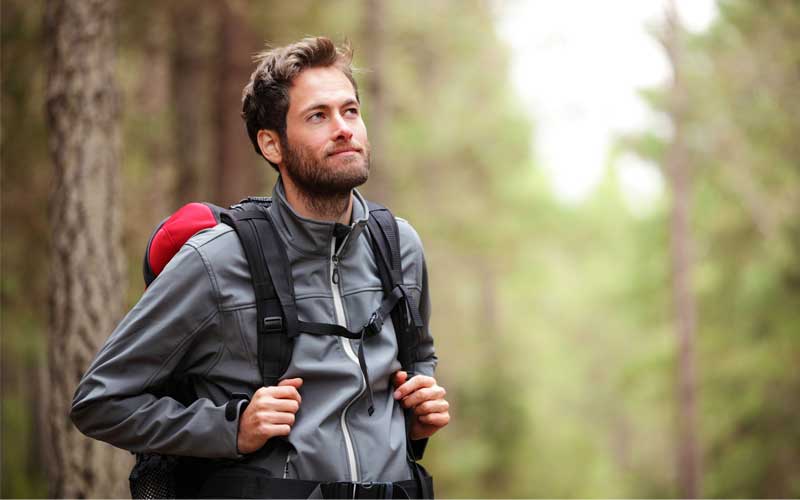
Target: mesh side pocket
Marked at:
153, 476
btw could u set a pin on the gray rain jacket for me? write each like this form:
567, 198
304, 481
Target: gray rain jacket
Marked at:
197, 322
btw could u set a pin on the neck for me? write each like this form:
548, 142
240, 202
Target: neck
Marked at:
322, 207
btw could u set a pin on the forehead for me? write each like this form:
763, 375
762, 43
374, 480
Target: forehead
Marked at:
323, 86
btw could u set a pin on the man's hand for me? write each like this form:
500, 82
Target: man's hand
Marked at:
427, 399
269, 414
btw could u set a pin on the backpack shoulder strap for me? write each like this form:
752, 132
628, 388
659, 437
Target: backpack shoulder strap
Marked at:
407, 320
386, 246
272, 283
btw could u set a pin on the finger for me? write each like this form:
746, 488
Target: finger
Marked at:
273, 430
282, 405
399, 378
260, 393
286, 392
424, 394
435, 419
294, 382
434, 406
277, 417
412, 385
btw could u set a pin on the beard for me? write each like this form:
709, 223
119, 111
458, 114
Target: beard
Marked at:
326, 183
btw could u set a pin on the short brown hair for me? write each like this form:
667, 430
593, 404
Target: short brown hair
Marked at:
265, 99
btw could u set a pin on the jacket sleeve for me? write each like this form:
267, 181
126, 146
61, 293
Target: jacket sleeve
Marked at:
426, 360
426, 355
115, 400
416, 275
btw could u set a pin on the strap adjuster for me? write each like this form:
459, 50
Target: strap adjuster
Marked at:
273, 324
375, 324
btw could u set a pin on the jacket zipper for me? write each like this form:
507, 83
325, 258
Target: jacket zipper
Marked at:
348, 349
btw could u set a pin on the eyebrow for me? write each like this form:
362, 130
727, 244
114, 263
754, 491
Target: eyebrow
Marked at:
320, 105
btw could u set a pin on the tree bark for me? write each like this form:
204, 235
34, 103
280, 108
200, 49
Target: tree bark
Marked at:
375, 49
87, 282
236, 176
678, 171
188, 82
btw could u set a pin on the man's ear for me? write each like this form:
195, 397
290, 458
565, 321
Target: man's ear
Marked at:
270, 145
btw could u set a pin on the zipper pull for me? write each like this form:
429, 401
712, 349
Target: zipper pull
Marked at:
335, 277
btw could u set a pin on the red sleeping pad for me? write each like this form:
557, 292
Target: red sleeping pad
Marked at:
173, 232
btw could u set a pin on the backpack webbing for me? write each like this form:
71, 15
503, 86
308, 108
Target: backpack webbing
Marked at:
273, 286
274, 289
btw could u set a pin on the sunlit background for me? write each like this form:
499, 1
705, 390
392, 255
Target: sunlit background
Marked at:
578, 67
545, 151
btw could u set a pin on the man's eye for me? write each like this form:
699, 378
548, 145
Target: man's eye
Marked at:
316, 117
352, 111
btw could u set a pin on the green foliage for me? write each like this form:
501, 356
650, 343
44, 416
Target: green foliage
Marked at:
742, 131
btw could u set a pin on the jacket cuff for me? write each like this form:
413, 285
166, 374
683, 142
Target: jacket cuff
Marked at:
233, 412
418, 448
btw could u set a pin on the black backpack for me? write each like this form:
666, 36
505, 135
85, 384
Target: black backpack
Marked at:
153, 475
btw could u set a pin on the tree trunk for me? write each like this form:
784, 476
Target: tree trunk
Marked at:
677, 166
189, 79
375, 48
87, 284
236, 175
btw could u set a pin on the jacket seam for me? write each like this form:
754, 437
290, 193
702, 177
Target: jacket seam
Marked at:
217, 358
211, 276
178, 349
251, 358
237, 307
202, 243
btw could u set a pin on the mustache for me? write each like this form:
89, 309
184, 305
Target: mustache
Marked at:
352, 146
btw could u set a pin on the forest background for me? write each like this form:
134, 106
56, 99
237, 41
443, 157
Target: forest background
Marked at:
590, 350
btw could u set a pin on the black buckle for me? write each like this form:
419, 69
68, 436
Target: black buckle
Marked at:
375, 324
371, 490
273, 324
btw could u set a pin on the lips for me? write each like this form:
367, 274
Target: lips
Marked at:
344, 150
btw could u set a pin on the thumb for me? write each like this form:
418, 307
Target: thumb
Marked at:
399, 378
294, 382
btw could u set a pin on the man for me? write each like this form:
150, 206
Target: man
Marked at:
196, 322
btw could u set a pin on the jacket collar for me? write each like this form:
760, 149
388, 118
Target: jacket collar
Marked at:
313, 236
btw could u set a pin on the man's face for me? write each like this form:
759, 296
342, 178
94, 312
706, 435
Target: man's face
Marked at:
328, 150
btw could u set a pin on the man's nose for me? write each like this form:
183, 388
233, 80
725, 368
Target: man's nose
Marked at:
342, 131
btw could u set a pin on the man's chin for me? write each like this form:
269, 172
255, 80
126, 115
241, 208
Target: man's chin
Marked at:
350, 172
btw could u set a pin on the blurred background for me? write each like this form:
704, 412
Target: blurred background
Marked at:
608, 194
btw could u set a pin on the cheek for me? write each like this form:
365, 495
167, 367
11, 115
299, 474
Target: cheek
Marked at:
308, 140
361, 131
